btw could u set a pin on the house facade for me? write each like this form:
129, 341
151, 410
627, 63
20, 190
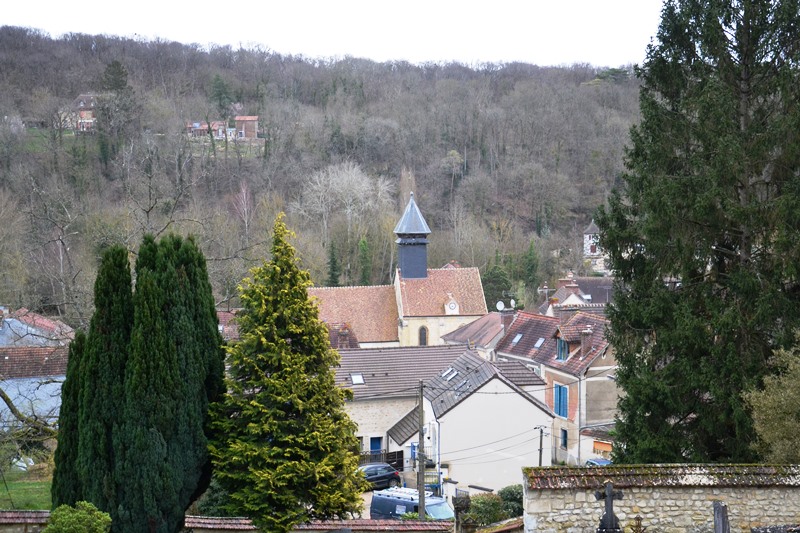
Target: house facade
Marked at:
84, 113
473, 424
577, 364
385, 386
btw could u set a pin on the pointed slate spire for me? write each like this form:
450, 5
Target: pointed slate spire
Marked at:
412, 242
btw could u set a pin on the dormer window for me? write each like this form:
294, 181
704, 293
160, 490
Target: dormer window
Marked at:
562, 349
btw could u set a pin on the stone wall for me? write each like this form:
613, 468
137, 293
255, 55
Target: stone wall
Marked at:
668, 498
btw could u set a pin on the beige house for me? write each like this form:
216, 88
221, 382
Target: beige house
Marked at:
385, 385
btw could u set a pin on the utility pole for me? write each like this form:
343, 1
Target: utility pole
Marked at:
421, 455
541, 443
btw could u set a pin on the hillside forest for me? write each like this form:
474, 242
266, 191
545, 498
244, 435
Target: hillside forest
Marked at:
508, 162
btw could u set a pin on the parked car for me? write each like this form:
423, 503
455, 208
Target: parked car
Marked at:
381, 475
598, 461
394, 503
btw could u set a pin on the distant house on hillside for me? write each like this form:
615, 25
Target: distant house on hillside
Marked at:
84, 113
246, 126
421, 305
218, 129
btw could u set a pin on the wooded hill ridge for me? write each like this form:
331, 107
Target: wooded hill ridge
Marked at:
504, 160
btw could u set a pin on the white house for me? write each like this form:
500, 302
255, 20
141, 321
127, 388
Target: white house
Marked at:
484, 421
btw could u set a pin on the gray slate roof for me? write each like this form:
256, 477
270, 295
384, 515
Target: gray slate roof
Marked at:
393, 372
459, 380
412, 222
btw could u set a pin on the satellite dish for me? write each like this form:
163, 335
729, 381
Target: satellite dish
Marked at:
513, 303
500, 305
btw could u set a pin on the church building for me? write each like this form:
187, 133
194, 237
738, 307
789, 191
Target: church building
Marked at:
422, 304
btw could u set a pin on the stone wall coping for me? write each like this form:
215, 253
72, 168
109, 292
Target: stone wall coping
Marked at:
663, 475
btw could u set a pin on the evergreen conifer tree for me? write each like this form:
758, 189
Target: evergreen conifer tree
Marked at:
152, 364
102, 377
66, 486
702, 234
364, 262
334, 270
174, 371
285, 448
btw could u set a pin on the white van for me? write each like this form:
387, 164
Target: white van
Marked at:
395, 502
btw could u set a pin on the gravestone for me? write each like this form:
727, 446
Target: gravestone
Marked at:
609, 522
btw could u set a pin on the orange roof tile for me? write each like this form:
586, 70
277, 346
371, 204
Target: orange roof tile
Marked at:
427, 296
371, 311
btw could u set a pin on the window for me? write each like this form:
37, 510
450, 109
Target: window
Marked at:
357, 378
562, 349
593, 248
564, 436
423, 336
560, 400
517, 338
539, 343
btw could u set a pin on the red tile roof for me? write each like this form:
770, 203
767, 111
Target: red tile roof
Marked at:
53, 328
24, 517
32, 361
524, 334
427, 296
370, 311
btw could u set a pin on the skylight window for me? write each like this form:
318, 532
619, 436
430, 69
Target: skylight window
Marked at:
357, 378
449, 373
517, 338
539, 343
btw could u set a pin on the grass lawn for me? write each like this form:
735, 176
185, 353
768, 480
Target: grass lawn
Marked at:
21, 491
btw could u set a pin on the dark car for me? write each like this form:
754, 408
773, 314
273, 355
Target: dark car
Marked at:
381, 475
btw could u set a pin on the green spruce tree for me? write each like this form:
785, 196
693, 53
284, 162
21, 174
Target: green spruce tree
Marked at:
285, 448
702, 234
334, 270
364, 262
66, 486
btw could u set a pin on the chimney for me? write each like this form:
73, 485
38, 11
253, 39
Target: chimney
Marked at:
506, 318
586, 341
568, 280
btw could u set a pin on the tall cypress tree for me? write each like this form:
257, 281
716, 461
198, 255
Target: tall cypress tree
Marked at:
702, 234
334, 270
102, 376
153, 363
66, 487
174, 371
285, 449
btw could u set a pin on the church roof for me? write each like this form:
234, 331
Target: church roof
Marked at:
427, 296
371, 311
591, 229
412, 222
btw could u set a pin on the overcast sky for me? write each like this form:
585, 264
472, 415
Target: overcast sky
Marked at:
542, 32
